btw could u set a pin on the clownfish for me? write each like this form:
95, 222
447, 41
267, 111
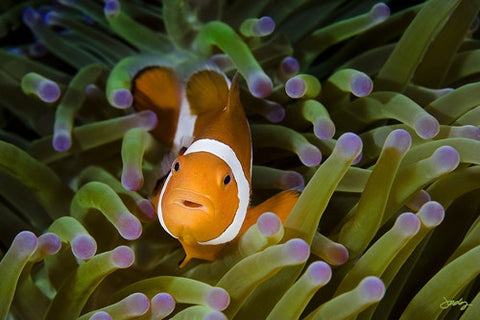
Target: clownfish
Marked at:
204, 201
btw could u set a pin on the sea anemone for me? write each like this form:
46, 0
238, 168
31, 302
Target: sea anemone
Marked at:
371, 110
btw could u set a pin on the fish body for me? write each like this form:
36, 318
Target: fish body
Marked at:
205, 199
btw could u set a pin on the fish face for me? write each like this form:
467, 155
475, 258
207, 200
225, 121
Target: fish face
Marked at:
199, 199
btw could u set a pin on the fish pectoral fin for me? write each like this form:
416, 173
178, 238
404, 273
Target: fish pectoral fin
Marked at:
207, 90
281, 204
199, 251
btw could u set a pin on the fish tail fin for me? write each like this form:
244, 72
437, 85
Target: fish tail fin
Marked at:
281, 204
207, 91
158, 89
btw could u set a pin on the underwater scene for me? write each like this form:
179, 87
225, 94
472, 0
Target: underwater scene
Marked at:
238, 159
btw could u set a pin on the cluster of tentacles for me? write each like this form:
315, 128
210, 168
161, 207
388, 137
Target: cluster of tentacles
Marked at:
370, 109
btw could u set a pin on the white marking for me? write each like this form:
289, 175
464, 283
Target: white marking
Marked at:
185, 126
159, 206
226, 153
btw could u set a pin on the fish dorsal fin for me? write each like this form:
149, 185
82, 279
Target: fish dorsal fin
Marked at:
234, 95
207, 90
158, 89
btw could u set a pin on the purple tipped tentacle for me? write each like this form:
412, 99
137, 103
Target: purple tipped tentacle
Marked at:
407, 224
324, 128
379, 12
260, 27
48, 244
83, 246
147, 208
288, 68
269, 224
101, 315
217, 299
427, 126
319, 273
418, 200
121, 98
12, 264
445, 159
45, 89
431, 214
259, 84
310, 155
111, 8
162, 305
399, 139
93, 195
349, 145
71, 231
371, 289
333, 252
361, 85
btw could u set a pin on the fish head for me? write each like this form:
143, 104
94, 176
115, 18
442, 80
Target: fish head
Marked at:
199, 199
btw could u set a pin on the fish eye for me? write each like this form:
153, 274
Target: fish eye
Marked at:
227, 179
176, 166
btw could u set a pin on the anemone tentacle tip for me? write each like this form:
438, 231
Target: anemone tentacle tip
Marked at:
83, 247
61, 141
295, 87
101, 315
372, 289
128, 226
50, 18
276, 113
380, 12
215, 315
260, 85
132, 178
289, 66
146, 207
324, 128
269, 224
446, 159
162, 304
399, 139
30, 16
319, 272
122, 98
218, 299
49, 91
431, 214
310, 155
25, 242
49, 243
264, 26
350, 145
293, 180
408, 224
297, 250
111, 8
137, 303
427, 127
148, 119
338, 254
122, 257
361, 85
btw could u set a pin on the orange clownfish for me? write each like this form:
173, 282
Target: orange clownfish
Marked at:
205, 199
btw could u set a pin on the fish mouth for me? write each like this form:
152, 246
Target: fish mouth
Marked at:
192, 200
191, 204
